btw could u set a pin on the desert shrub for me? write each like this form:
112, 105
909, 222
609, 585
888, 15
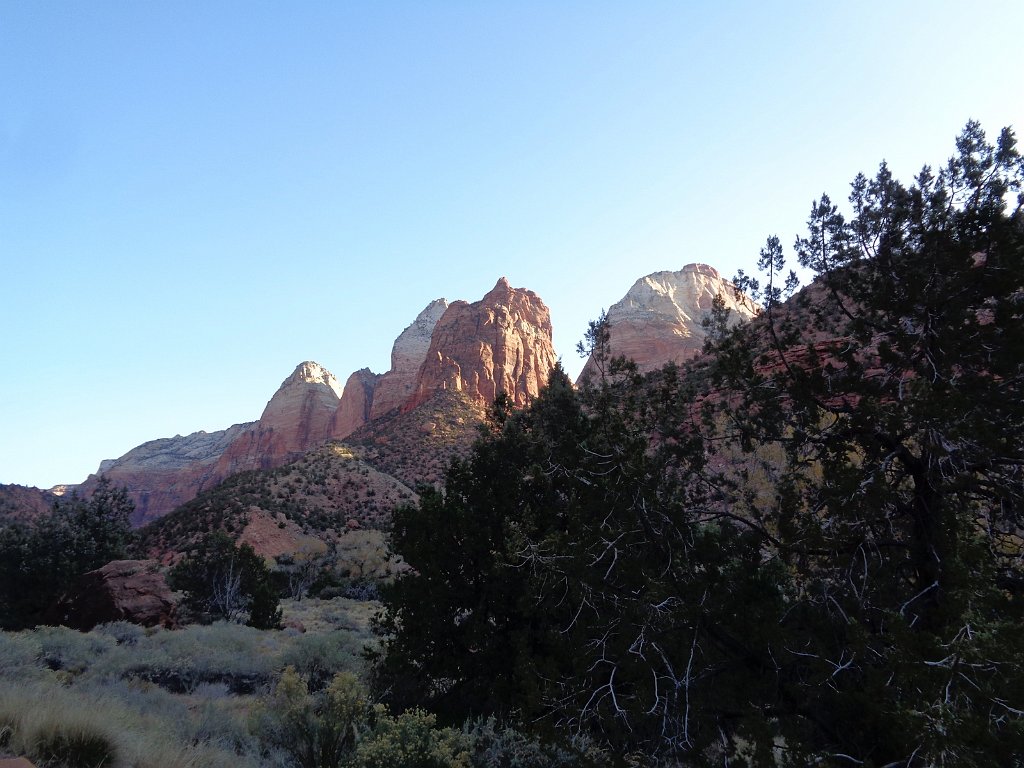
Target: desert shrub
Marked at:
242, 657
326, 585
60, 727
319, 657
71, 650
19, 653
334, 613
316, 730
74, 747
124, 632
49, 725
222, 721
362, 589
497, 746
412, 740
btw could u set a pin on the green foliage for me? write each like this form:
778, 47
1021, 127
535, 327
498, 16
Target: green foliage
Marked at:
318, 731
412, 740
803, 549
40, 561
496, 746
562, 578
322, 656
885, 404
224, 581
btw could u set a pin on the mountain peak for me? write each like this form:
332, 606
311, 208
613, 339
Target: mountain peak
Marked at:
500, 344
659, 320
311, 372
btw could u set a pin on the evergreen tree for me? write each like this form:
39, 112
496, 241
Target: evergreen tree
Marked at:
803, 549
224, 581
883, 412
40, 561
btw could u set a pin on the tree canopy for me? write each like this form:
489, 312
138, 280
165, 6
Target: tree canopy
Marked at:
805, 546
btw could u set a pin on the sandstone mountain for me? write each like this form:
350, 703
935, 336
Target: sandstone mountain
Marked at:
298, 417
356, 402
659, 319
498, 345
446, 367
369, 395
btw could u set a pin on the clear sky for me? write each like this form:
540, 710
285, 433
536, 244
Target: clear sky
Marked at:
197, 196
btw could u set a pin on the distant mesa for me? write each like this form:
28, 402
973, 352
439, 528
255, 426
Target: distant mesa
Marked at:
659, 320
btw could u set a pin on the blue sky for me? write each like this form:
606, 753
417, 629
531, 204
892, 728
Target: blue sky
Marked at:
197, 196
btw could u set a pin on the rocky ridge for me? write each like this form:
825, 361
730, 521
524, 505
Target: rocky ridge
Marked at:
21, 503
471, 352
165, 473
407, 357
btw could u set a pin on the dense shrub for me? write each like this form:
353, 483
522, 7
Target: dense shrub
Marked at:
316, 731
412, 740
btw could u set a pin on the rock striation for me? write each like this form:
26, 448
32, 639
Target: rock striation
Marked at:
407, 356
500, 344
356, 403
298, 417
163, 474
659, 320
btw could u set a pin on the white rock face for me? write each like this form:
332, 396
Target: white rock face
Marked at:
177, 452
407, 355
659, 320
309, 381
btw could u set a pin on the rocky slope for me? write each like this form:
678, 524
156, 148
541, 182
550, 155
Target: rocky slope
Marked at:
416, 446
311, 502
659, 319
19, 502
500, 344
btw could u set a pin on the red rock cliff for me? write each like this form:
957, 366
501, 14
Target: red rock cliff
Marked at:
500, 344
